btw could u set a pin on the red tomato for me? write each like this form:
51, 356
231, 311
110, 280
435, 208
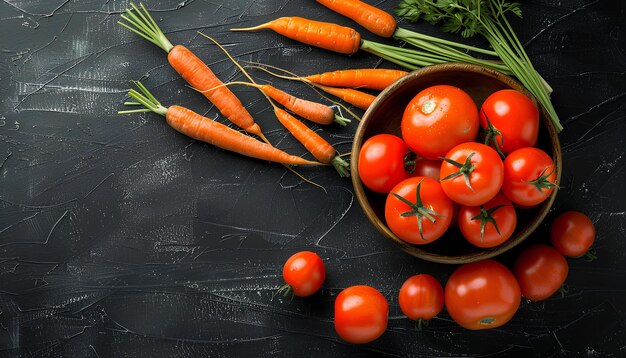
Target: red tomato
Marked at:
361, 314
529, 177
482, 295
421, 298
572, 233
427, 168
476, 175
540, 271
304, 272
437, 119
381, 162
490, 224
421, 198
510, 119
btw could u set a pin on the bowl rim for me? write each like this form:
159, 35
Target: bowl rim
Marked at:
416, 250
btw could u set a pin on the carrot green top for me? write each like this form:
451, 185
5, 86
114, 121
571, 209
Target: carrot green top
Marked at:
144, 25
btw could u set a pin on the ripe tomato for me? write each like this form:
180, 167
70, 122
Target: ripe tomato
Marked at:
421, 298
381, 162
482, 295
471, 174
361, 314
437, 119
572, 233
490, 224
510, 120
421, 198
529, 177
304, 272
427, 168
540, 271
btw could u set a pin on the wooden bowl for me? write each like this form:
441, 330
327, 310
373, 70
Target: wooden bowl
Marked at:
384, 116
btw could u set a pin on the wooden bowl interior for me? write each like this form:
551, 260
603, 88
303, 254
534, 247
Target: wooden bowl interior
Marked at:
384, 116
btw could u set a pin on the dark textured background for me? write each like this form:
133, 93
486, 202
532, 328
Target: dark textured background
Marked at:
120, 237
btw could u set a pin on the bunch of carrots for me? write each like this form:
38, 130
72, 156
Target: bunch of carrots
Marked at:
429, 50
347, 85
201, 78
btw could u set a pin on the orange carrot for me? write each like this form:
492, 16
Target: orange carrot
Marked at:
316, 33
313, 142
372, 78
373, 19
192, 69
354, 97
313, 111
207, 130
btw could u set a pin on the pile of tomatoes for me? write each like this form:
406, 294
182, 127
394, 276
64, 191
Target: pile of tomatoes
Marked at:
437, 175
480, 295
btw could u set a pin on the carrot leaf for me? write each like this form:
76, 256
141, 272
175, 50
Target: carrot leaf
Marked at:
139, 21
144, 98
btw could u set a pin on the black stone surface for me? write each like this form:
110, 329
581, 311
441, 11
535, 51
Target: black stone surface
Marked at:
121, 237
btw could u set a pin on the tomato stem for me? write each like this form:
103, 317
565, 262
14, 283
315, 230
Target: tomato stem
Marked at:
421, 323
409, 162
491, 134
418, 209
564, 289
590, 255
465, 169
285, 290
486, 216
542, 181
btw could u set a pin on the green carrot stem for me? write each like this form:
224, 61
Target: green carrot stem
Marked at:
146, 99
141, 22
403, 34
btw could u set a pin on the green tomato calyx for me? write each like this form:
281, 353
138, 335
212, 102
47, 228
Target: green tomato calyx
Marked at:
418, 209
465, 169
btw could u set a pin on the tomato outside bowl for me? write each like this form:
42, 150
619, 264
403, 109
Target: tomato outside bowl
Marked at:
384, 116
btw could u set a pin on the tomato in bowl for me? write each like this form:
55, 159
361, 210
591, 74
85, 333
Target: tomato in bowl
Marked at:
385, 117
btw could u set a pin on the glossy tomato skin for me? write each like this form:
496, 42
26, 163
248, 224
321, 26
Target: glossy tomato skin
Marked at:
381, 162
515, 116
482, 295
421, 297
361, 314
433, 198
572, 233
305, 272
486, 178
427, 168
540, 271
523, 166
505, 217
437, 119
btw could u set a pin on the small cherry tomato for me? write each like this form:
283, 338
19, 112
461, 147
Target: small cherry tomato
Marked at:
482, 295
418, 198
437, 119
529, 177
510, 121
572, 233
361, 314
540, 271
421, 298
381, 162
471, 174
427, 168
304, 272
490, 224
